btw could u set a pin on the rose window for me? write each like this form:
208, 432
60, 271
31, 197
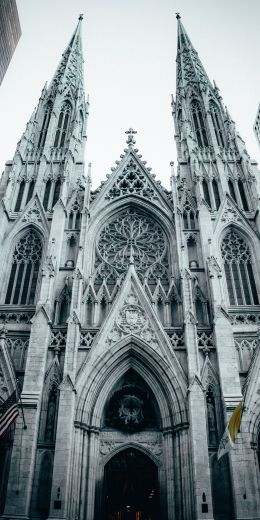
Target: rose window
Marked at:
132, 236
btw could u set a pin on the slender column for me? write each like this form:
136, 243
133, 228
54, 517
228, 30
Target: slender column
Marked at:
168, 446
63, 462
197, 413
25, 441
93, 462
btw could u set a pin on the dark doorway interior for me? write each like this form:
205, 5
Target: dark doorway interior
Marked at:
131, 487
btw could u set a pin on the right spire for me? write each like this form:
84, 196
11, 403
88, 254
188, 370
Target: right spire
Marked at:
213, 160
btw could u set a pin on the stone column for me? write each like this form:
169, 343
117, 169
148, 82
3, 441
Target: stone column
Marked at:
25, 441
62, 467
169, 473
197, 412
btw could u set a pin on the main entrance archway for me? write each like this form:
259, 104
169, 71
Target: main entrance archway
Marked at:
131, 489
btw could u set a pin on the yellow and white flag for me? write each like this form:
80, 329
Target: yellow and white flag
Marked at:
230, 434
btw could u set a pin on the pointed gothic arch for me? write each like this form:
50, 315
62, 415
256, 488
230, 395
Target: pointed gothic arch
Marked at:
199, 124
26, 260
63, 125
239, 269
62, 306
131, 353
217, 123
45, 124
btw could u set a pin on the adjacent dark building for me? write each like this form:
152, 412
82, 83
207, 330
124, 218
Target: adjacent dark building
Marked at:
10, 32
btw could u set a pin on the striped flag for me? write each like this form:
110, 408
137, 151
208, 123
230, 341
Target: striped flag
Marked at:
9, 413
230, 434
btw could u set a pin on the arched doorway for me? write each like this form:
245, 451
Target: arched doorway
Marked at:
131, 487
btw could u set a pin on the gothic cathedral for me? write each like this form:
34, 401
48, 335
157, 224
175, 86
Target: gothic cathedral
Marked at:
130, 315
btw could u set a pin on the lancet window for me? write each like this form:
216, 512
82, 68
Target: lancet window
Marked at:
216, 193
217, 124
45, 125
232, 190
63, 125
74, 216
199, 124
51, 193
30, 191
189, 217
25, 270
242, 194
239, 270
205, 188
20, 196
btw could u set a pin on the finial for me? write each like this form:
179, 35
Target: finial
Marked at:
178, 16
130, 137
81, 16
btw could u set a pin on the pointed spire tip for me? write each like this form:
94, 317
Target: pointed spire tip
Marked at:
178, 16
81, 17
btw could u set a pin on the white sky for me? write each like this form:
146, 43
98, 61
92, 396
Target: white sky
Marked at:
130, 51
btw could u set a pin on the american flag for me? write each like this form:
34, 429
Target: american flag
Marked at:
9, 412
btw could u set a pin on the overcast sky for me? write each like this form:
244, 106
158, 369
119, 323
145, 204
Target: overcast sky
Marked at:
130, 51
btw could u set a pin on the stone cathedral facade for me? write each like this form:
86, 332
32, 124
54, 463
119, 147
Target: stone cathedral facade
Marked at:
130, 315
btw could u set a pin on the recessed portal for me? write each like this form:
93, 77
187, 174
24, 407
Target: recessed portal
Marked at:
131, 487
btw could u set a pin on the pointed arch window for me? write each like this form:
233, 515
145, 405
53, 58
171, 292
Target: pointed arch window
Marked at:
56, 193
199, 124
47, 194
216, 193
63, 125
30, 191
45, 124
232, 190
206, 192
242, 195
217, 124
24, 271
238, 270
20, 196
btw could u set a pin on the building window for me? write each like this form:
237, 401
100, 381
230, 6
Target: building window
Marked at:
217, 124
51, 194
49, 434
242, 194
30, 191
63, 125
216, 193
20, 196
238, 270
24, 271
199, 124
56, 193
45, 125
232, 190
206, 192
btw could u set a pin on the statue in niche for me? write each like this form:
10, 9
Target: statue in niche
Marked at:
212, 420
51, 413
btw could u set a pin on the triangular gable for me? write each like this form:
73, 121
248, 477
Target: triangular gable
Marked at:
229, 213
33, 213
132, 316
132, 178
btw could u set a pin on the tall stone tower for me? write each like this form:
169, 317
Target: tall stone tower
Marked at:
130, 315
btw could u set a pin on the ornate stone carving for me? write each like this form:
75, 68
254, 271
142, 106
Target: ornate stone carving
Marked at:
132, 181
87, 338
230, 214
176, 339
132, 235
213, 267
18, 349
32, 214
131, 319
58, 338
205, 341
